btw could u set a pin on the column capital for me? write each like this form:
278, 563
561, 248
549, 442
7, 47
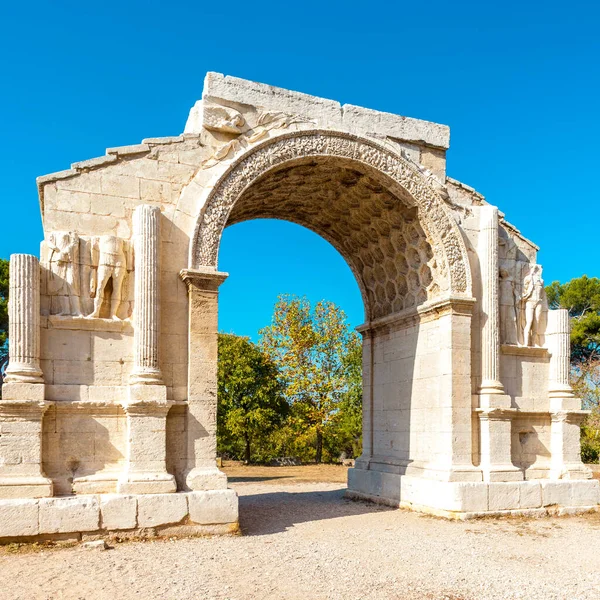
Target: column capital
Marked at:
206, 279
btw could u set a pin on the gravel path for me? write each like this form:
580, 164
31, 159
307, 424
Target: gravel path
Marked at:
306, 541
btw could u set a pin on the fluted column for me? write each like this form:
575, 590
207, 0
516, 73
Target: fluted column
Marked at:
22, 405
495, 412
24, 320
147, 405
490, 332
146, 369
559, 345
565, 409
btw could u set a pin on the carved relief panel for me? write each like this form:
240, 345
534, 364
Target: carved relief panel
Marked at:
88, 276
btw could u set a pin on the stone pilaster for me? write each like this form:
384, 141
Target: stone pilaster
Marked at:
202, 472
146, 231
147, 405
24, 320
368, 341
495, 426
495, 413
565, 446
145, 469
22, 405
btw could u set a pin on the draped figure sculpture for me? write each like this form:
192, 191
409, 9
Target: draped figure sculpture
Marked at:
109, 253
63, 278
532, 304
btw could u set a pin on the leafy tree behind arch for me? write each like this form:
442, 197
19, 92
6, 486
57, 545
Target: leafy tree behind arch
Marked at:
250, 395
312, 347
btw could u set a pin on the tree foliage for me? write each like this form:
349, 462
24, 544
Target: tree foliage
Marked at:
581, 297
3, 307
251, 400
313, 349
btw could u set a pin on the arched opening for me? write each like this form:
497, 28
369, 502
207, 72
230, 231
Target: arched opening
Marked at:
297, 262
300, 412
390, 225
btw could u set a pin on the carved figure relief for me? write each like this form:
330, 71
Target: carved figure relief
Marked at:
532, 299
439, 279
508, 308
222, 118
86, 276
109, 264
266, 122
62, 283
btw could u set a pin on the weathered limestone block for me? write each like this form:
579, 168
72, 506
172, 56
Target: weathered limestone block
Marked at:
118, 511
161, 509
21, 410
145, 470
530, 494
68, 515
19, 518
503, 496
213, 506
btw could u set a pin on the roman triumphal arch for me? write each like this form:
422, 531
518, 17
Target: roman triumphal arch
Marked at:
108, 409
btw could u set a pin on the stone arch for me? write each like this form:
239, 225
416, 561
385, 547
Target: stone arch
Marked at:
396, 175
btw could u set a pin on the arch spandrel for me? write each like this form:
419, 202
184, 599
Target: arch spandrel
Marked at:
395, 174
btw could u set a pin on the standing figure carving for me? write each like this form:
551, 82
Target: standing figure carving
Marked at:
532, 305
439, 279
508, 308
63, 277
109, 261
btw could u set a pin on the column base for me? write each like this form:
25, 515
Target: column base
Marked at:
503, 473
25, 487
206, 478
147, 483
571, 471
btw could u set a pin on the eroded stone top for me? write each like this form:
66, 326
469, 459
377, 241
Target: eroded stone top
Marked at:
322, 112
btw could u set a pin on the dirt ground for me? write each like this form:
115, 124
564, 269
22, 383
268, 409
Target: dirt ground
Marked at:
240, 473
303, 540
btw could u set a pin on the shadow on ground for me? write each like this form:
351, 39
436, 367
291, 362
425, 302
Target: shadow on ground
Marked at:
275, 512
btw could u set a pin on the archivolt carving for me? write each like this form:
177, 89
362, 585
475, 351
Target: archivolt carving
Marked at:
396, 175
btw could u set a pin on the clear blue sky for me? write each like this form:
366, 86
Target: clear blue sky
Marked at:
518, 83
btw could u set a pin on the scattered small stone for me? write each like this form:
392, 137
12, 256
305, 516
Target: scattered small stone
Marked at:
95, 545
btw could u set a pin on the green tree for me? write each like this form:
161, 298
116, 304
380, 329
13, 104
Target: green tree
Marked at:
311, 348
251, 401
581, 297
3, 307
345, 432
